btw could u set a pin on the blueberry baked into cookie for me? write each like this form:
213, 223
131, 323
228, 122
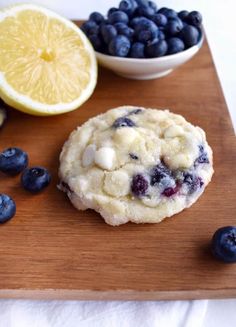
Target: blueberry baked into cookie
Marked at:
135, 164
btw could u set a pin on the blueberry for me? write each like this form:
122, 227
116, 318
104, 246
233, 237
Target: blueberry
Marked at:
118, 17
183, 14
3, 116
175, 45
203, 157
90, 27
152, 5
128, 6
139, 185
193, 182
7, 208
163, 10
13, 161
123, 29
158, 173
108, 33
97, 43
174, 26
161, 36
119, 46
223, 244
194, 18
96, 17
111, 10
169, 13
123, 122
190, 35
142, 3
137, 50
160, 19
135, 111
35, 179
146, 11
133, 156
145, 30
169, 191
146, 35
156, 49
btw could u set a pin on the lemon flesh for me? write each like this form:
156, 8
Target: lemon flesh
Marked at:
47, 65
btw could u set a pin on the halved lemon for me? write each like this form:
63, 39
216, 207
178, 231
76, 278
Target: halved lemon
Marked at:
47, 65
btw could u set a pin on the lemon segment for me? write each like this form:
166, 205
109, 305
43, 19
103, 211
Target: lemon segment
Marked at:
47, 65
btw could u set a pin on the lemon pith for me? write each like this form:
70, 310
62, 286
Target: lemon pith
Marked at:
47, 65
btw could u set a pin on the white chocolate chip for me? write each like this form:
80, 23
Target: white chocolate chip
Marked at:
117, 183
173, 131
125, 136
181, 160
88, 155
105, 157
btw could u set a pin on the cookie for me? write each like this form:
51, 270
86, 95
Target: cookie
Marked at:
135, 164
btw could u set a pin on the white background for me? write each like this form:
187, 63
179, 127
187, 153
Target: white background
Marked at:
219, 20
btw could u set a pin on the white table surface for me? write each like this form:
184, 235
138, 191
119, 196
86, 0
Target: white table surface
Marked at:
219, 21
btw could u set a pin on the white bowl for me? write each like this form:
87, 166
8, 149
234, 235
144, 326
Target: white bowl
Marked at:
147, 68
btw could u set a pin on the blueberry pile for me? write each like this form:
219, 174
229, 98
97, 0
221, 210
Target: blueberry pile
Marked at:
12, 162
138, 29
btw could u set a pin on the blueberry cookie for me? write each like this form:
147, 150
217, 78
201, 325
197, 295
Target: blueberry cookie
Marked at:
135, 164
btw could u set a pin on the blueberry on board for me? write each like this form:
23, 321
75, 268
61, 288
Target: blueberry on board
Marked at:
118, 17
108, 32
189, 35
174, 26
13, 161
111, 10
146, 11
153, 5
96, 17
183, 14
223, 244
90, 27
194, 18
3, 116
139, 185
97, 42
119, 46
123, 122
137, 50
123, 29
7, 208
35, 179
159, 19
156, 49
128, 6
193, 182
175, 45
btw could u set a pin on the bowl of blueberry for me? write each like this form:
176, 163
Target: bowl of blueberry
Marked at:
138, 40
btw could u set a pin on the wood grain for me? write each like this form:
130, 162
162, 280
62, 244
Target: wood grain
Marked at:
51, 250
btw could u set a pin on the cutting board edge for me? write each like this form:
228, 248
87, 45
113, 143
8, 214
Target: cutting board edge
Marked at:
116, 295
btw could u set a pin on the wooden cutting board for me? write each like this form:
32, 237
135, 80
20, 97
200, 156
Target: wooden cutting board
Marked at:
51, 250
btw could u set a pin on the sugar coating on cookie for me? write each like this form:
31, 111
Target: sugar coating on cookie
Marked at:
135, 164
